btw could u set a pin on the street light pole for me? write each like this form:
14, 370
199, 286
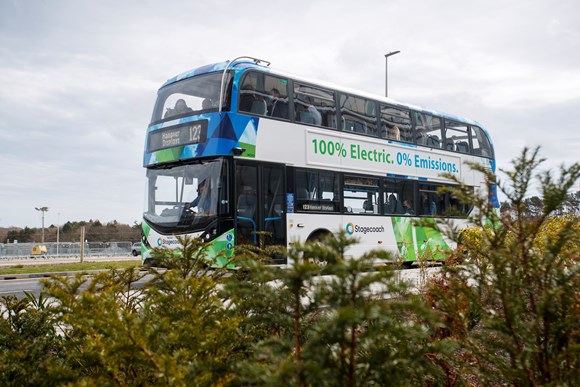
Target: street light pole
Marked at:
57, 232
43, 210
387, 70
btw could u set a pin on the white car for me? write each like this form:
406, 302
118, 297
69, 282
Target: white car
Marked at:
136, 249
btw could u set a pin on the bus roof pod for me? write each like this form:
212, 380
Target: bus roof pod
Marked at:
228, 65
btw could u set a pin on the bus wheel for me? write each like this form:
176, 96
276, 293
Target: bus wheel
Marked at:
407, 264
316, 238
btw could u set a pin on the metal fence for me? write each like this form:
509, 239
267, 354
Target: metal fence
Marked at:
64, 249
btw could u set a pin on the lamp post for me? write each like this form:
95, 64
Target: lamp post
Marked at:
387, 70
57, 232
43, 210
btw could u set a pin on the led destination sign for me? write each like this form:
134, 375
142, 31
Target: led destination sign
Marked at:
186, 134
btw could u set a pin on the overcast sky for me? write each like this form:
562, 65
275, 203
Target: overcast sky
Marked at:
78, 79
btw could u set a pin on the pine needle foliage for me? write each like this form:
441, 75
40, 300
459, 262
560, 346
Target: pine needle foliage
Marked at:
334, 321
31, 351
513, 306
170, 330
504, 311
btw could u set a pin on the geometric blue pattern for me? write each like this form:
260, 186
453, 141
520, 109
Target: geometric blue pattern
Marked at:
224, 132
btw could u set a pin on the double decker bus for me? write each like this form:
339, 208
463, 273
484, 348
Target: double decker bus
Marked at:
240, 153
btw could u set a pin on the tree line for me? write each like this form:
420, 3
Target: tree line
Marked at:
95, 231
533, 206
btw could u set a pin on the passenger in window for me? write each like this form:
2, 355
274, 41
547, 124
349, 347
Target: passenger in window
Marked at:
278, 108
428, 206
408, 207
302, 113
316, 116
394, 133
391, 205
180, 108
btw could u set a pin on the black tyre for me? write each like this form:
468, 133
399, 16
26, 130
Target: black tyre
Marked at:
407, 264
316, 238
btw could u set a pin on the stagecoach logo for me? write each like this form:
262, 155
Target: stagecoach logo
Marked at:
166, 242
352, 228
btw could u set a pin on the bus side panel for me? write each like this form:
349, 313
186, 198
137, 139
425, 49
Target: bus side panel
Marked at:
280, 142
397, 235
371, 232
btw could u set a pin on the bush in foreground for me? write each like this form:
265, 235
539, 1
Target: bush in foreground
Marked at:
509, 315
513, 308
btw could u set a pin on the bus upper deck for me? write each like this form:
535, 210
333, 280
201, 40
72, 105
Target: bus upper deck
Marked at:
187, 115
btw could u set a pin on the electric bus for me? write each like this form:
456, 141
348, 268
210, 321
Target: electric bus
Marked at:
239, 153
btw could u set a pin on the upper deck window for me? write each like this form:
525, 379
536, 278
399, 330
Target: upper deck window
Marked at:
358, 115
264, 95
396, 124
481, 144
456, 137
314, 106
428, 130
194, 95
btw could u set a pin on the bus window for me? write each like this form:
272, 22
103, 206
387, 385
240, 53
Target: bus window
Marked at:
314, 106
481, 144
361, 195
263, 94
396, 124
358, 115
429, 200
316, 191
191, 96
432, 202
456, 137
459, 208
398, 197
427, 130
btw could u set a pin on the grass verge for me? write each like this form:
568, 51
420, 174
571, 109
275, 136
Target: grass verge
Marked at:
77, 266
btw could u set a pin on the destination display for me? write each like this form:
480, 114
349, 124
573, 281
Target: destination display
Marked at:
185, 134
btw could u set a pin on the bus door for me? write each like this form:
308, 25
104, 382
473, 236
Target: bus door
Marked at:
260, 204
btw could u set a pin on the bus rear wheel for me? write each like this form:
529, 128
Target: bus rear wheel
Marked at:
316, 238
407, 264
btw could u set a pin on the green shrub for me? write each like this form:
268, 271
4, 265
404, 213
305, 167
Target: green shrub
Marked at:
513, 308
508, 315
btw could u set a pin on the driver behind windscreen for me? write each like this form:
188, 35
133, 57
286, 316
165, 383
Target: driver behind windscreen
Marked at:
203, 199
